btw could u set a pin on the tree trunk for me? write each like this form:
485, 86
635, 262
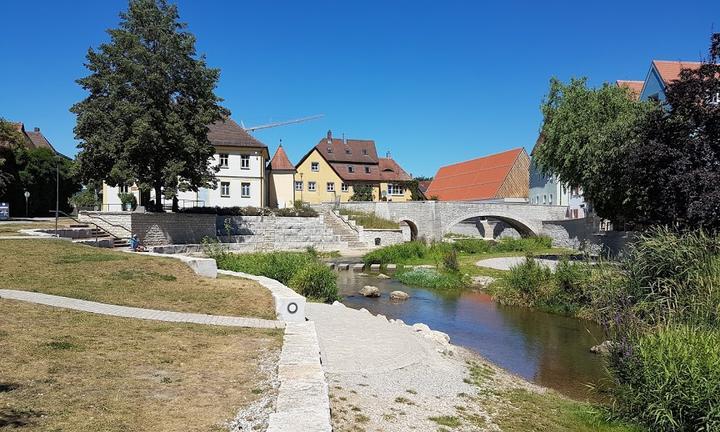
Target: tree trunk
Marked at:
175, 205
158, 198
145, 199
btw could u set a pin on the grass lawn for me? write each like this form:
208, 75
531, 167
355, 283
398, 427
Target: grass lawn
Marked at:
9, 229
72, 371
103, 275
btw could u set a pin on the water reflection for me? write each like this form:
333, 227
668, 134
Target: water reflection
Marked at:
547, 349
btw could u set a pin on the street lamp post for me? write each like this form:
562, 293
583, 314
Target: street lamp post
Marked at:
27, 196
57, 193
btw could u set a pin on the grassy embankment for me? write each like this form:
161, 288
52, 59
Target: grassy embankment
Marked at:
304, 272
454, 262
369, 220
661, 306
12, 228
66, 269
76, 371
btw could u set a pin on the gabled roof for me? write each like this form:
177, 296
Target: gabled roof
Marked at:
227, 133
635, 87
351, 150
391, 171
669, 71
280, 161
424, 185
475, 179
38, 140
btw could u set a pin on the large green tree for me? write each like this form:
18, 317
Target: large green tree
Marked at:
586, 137
675, 165
10, 140
151, 99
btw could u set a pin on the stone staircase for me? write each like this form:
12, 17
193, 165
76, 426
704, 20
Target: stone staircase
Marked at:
97, 237
342, 230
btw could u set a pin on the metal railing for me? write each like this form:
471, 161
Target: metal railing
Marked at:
98, 227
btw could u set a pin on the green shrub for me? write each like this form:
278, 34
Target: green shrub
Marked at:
450, 261
301, 271
397, 254
670, 379
316, 281
369, 220
526, 283
431, 278
524, 244
127, 198
474, 246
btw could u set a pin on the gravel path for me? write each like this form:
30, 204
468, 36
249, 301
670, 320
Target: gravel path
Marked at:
387, 376
507, 262
132, 312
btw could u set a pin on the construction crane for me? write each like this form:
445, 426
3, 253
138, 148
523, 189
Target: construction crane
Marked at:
281, 123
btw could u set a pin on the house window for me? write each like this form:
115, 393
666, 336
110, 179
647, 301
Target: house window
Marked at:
396, 189
245, 162
544, 199
315, 166
344, 187
367, 170
551, 201
245, 190
311, 186
224, 189
365, 152
715, 100
331, 187
351, 169
124, 189
298, 186
223, 160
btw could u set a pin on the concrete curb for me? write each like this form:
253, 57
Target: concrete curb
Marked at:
289, 305
303, 404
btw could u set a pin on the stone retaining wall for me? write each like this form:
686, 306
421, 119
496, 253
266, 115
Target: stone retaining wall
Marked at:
276, 233
382, 237
116, 223
172, 228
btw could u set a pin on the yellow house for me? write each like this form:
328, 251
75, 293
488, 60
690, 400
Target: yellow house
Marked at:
335, 168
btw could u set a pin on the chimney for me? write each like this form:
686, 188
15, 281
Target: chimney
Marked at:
387, 155
344, 142
329, 137
37, 129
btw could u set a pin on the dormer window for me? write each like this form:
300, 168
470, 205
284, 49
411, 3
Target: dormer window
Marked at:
329, 149
367, 170
365, 152
348, 151
351, 169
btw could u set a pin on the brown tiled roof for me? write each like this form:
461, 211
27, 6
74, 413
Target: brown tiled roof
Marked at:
281, 162
391, 171
227, 133
351, 150
386, 170
38, 140
476, 179
424, 185
670, 70
635, 87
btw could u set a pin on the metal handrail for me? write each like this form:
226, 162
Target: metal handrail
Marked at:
97, 226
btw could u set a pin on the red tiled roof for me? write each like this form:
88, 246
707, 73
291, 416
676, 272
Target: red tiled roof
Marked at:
670, 70
635, 87
391, 171
476, 179
424, 185
281, 162
227, 133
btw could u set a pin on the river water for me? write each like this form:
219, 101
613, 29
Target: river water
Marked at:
547, 349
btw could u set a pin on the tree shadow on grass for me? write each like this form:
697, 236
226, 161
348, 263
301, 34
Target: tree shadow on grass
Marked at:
12, 418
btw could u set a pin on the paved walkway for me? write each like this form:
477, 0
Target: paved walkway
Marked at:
507, 262
133, 312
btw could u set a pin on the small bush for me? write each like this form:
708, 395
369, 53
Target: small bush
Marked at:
670, 379
524, 244
301, 271
369, 220
528, 282
431, 278
397, 254
316, 281
450, 261
474, 246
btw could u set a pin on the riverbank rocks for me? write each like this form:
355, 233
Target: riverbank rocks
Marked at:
399, 295
370, 291
603, 348
383, 276
482, 281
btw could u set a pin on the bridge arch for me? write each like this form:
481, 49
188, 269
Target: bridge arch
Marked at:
412, 225
522, 226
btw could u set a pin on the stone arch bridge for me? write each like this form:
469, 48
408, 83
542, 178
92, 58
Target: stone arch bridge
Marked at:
433, 219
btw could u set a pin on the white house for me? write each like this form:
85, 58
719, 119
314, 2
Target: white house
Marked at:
241, 179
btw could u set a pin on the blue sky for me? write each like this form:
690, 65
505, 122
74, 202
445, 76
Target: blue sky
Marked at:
432, 82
